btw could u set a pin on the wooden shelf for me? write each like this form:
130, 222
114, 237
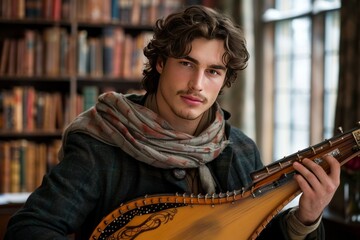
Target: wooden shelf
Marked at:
36, 134
33, 21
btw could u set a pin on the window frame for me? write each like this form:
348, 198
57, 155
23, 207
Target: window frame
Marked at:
265, 77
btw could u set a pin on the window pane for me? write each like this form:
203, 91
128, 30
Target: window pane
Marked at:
301, 74
292, 4
292, 85
301, 137
301, 36
282, 142
300, 112
332, 37
283, 42
283, 104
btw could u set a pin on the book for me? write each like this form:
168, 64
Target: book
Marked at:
24, 98
30, 108
135, 12
115, 13
40, 110
90, 96
52, 51
40, 163
4, 167
39, 55
94, 10
9, 109
20, 52
144, 15
108, 50
5, 54
95, 57
56, 10
80, 10
29, 53
33, 8
65, 9
59, 110
64, 58
12, 58
18, 107
106, 10
47, 9
79, 101
117, 64
22, 149
125, 7
29, 165
154, 11
83, 53
15, 167
128, 56
49, 112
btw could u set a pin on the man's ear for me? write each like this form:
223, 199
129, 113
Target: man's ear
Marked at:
159, 65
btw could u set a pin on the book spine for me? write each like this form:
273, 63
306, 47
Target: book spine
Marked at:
118, 52
5, 55
108, 50
83, 52
29, 55
90, 94
33, 8
15, 167
5, 155
115, 10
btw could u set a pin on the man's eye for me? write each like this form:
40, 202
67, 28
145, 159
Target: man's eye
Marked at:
186, 64
214, 72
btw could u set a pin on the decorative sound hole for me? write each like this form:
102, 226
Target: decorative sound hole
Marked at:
152, 222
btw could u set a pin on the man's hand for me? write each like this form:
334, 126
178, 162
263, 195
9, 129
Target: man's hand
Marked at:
317, 186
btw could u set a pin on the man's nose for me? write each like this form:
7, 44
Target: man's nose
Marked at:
196, 81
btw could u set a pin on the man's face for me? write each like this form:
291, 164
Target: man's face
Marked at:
189, 86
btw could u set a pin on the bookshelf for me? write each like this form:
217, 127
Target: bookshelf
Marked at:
56, 57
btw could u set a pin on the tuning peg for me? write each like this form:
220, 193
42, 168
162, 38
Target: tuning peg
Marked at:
340, 129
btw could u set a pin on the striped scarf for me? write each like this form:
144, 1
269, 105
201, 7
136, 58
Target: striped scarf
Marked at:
147, 137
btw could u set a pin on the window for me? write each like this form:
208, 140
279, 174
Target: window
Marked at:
303, 70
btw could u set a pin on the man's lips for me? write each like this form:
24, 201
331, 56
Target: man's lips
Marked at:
191, 99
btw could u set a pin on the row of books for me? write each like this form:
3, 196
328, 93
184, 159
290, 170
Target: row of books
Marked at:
23, 164
26, 109
44, 9
126, 11
114, 54
38, 53
52, 53
135, 12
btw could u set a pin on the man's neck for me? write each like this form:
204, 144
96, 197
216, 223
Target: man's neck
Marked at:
192, 127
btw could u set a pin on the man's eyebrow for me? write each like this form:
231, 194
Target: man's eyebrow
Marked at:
214, 66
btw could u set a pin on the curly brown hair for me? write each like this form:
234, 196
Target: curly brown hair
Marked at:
173, 37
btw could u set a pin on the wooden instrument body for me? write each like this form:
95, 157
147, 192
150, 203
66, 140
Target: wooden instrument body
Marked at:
201, 218
242, 214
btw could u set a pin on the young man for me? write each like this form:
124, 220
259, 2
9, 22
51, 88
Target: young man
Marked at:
175, 138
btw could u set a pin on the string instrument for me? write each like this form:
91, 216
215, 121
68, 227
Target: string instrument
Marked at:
242, 213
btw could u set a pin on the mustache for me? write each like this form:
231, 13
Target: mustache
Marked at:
192, 93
